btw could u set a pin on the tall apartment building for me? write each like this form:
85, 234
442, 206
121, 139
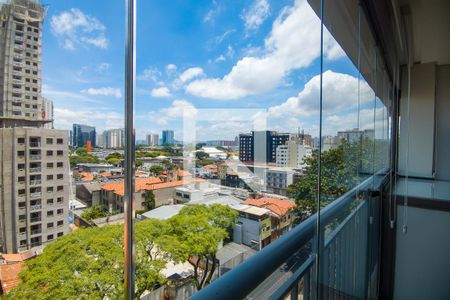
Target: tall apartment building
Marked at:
114, 138
168, 137
34, 167
35, 187
20, 63
83, 133
152, 139
260, 146
293, 153
355, 135
47, 109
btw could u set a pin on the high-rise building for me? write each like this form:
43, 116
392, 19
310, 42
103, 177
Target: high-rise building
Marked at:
99, 141
152, 139
35, 187
81, 134
355, 135
168, 137
293, 153
114, 138
20, 63
260, 146
47, 112
34, 166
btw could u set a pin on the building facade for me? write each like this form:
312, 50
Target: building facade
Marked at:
81, 134
34, 167
293, 153
34, 187
114, 138
152, 139
20, 63
278, 179
260, 146
168, 137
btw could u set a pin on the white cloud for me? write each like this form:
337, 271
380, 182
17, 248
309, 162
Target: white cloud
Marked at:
75, 28
103, 67
102, 120
170, 69
256, 14
340, 93
220, 58
178, 110
190, 74
340, 106
162, 92
212, 13
151, 74
104, 91
293, 43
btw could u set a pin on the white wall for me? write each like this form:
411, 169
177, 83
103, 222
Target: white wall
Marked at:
422, 264
416, 153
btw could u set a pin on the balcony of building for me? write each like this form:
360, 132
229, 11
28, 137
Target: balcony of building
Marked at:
388, 237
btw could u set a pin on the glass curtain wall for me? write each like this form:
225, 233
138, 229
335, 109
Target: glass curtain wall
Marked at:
356, 103
251, 120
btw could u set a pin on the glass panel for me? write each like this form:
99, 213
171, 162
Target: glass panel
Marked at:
61, 106
227, 114
354, 118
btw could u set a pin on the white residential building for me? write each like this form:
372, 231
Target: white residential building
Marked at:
152, 139
292, 154
114, 138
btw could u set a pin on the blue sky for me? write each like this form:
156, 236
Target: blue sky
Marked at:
204, 66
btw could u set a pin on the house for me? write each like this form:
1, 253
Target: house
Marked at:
10, 267
89, 193
253, 226
112, 193
282, 216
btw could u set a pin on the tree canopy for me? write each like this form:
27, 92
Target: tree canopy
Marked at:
88, 263
342, 168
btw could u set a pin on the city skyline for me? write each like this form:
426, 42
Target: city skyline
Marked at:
228, 45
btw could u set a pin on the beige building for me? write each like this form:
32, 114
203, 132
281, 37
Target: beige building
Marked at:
34, 187
34, 167
20, 63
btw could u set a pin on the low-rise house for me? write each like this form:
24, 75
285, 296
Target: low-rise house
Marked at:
163, 192
90, 167
282, 216
253, 226
89, 193
10, 267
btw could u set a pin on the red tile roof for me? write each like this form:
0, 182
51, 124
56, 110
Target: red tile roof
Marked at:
86, 176
9, 275
278, 206
149, 184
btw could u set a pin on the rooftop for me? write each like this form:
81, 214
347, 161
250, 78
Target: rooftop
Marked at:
278, 206
163, 212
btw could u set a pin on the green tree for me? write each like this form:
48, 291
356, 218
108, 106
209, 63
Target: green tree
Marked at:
88, 264
94, 212
342, 168
149, 200
81, 151
200, 155
156, 170
117, 155
139, 163
78, 159
113, 161
195, 235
